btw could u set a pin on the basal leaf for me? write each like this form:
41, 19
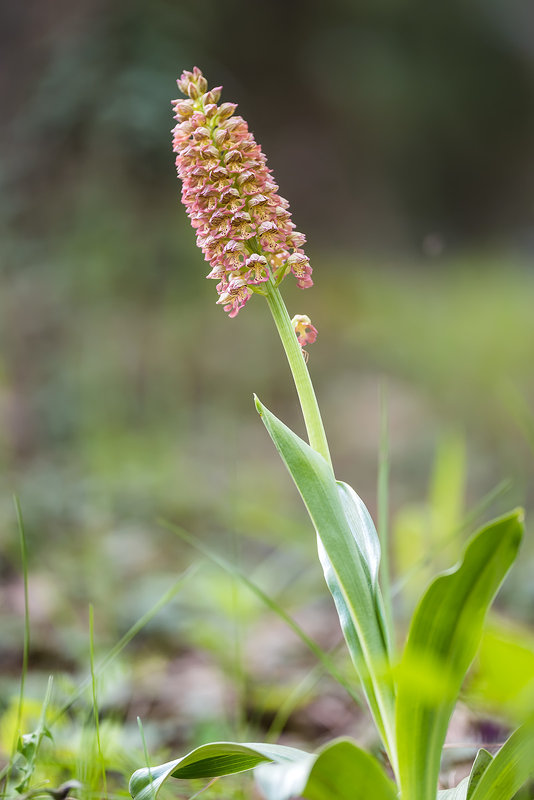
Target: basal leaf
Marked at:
345, 772
340, 771
349, 553
442, 642
209, 761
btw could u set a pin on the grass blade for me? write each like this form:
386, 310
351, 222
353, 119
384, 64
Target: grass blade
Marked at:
94, 698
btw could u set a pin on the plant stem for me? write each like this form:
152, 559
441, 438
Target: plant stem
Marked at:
299, 370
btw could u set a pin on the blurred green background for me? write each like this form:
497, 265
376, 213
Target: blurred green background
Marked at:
402, 135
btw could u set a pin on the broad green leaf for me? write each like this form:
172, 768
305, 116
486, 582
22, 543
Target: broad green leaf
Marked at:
345, 772
349, 553
442, 642
341, 771
209, 761
510, 768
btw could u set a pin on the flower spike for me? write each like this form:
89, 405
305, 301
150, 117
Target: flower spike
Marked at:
242, 224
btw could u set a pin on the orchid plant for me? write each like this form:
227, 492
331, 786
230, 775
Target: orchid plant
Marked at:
244, 229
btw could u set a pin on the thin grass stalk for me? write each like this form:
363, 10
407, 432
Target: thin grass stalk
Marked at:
94, 698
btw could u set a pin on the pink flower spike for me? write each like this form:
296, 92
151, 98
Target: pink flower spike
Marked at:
243, 225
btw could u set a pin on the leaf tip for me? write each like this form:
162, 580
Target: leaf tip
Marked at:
518, 517
259, 407
520, 513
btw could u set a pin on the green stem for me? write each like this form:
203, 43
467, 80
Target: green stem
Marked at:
299, 370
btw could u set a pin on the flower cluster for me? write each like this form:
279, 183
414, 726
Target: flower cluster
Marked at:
242, 224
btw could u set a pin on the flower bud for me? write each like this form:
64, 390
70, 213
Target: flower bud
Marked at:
220, 136
234, 124
192, 91
183, 81
226, 110
202, 83
201, 134
296, 239
185, 128
183, 108
216, 93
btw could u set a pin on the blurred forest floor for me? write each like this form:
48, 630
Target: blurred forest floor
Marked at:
117, 415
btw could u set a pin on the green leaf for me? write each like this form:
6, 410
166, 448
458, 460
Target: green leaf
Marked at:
442, 642
340, 771
349, 552
510, 768
209, 761
465, 788
363, 530
480, 764
457, 793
